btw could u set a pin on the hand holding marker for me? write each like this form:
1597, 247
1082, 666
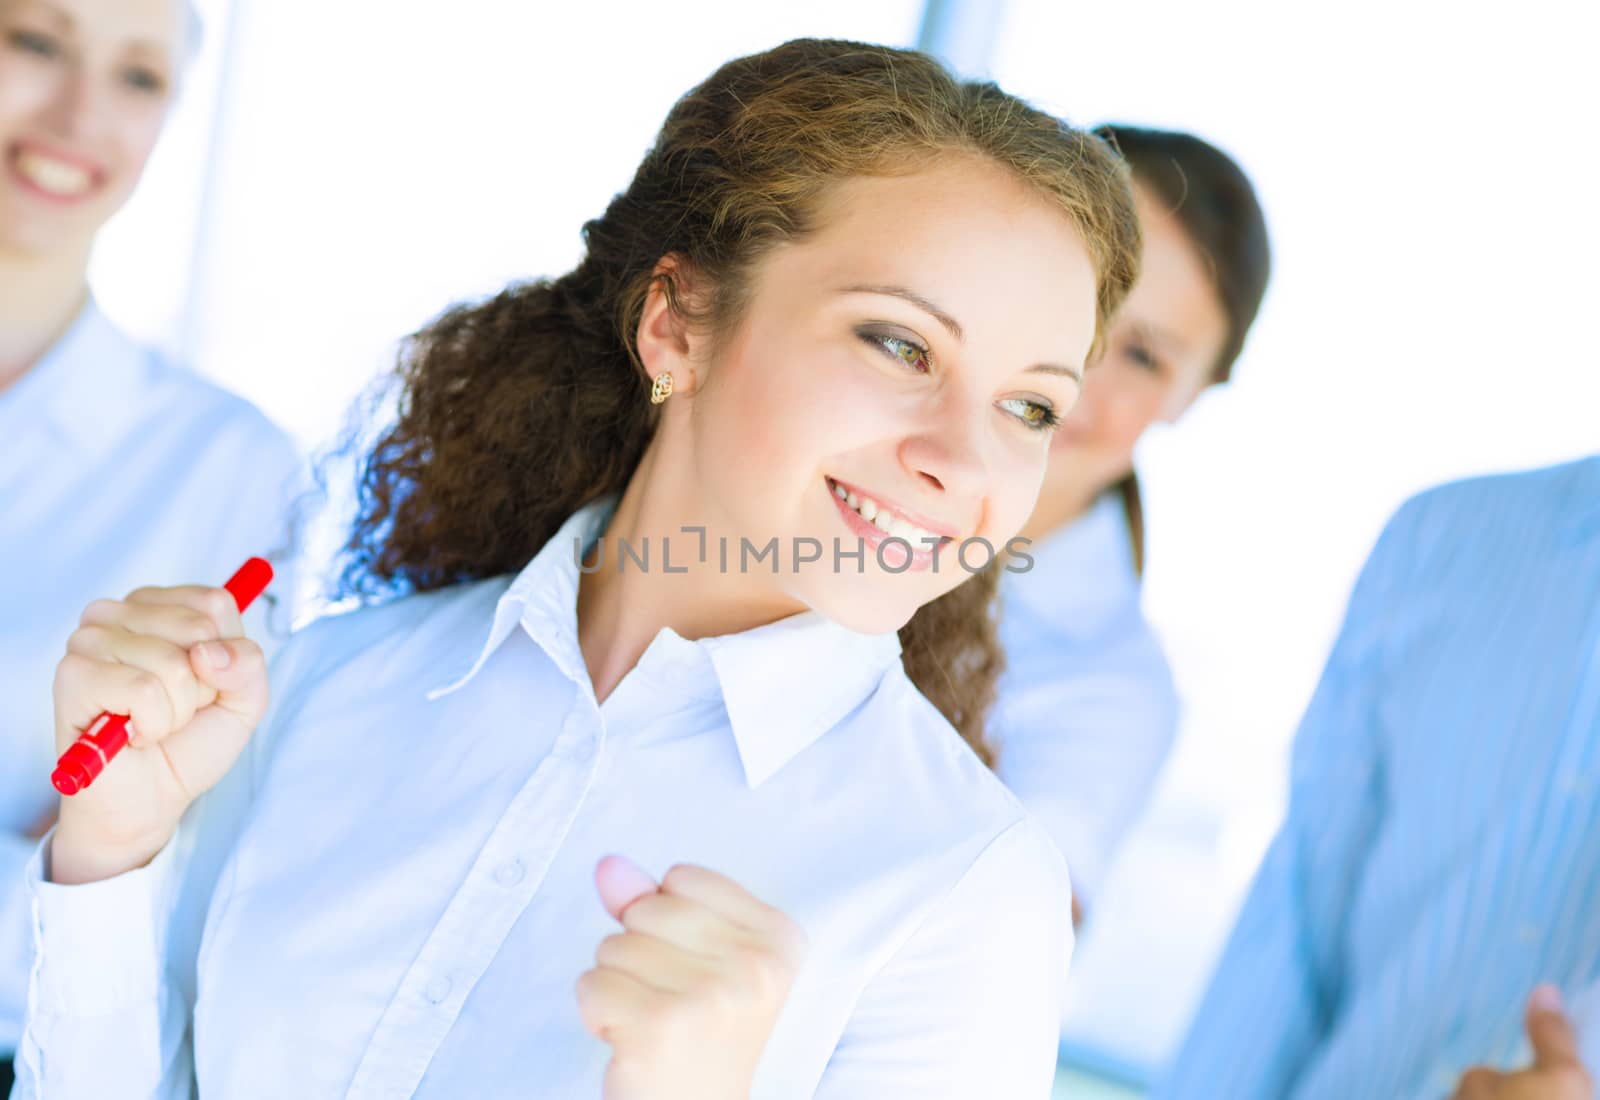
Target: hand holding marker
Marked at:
107, 735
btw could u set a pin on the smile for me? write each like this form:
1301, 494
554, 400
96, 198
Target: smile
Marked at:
50, 175
875, 520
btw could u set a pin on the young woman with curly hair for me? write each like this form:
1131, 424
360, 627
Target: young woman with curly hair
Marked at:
657, 555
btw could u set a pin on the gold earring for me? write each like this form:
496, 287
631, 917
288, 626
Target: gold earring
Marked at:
661, 388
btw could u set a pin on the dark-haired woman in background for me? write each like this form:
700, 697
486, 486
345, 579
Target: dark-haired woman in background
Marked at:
1086, 709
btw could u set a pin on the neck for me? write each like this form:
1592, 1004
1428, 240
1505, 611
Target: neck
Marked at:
1065, 497
620, 611
39, 298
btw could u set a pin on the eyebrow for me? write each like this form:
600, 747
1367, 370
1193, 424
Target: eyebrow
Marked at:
150, 50
1074, 373
949, 322
1158, 336
915, 299
43, 7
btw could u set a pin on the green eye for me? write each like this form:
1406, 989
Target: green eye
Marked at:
1033, 414
908, 352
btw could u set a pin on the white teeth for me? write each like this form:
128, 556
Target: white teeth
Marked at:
885, 521
57, 177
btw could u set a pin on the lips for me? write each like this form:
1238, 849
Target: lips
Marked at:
52, 173
887, 518
875, 522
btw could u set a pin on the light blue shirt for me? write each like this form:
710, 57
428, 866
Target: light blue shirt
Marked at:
411, 900
117, 470
1441, 854
1086, 711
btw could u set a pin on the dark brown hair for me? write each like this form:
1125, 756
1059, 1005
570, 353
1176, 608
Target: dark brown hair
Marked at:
1215, 203
1217, 207
515, 412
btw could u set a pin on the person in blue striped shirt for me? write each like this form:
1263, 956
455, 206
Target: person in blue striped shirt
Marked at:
1442, 844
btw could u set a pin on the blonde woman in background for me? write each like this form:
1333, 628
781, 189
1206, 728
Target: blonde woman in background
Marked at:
116, 467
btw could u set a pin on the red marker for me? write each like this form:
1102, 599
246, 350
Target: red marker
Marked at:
107, 735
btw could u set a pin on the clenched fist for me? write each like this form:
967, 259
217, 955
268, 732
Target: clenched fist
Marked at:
176, 661
689, 991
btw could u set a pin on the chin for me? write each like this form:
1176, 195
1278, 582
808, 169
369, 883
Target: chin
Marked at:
866, 616
39, 236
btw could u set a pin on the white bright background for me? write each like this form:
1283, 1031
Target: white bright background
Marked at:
1428, 172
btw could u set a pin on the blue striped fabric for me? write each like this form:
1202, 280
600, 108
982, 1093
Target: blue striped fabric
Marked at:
1441, 854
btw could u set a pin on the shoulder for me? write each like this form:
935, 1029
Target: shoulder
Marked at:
923, 777
155, 387
1505, 515
1022, 863
1535, 495
927, 787
401, 639
230, 421
911, 734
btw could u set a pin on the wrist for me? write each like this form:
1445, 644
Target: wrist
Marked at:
74, 858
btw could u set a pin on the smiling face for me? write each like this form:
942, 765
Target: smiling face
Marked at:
1161, 351
84, 88
896, 372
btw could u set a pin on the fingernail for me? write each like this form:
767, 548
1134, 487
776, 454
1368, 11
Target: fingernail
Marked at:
1547, 998
621, 883
216, 654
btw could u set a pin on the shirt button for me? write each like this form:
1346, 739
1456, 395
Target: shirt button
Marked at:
437, 990
1528, 933
509, 873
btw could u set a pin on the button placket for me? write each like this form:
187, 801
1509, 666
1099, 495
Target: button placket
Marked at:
474, 925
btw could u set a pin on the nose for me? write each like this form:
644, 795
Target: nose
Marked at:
949, 450
74, 108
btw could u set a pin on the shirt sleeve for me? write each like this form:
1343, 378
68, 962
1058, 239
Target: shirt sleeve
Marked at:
116, 964
1276, 986
103, 1020
969, 1006
1083, 749
16, 936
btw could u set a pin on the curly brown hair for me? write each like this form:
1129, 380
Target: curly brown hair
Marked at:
516, 411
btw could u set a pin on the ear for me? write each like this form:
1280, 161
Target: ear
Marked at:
666, 340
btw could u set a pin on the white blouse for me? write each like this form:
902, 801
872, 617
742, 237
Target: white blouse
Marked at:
117, 469
1086, 711
409, 902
